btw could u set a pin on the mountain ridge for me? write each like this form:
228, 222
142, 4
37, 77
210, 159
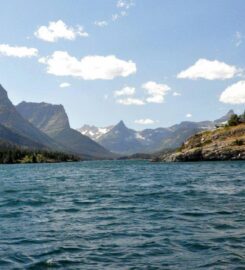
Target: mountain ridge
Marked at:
126, 141
53, 121
15, 125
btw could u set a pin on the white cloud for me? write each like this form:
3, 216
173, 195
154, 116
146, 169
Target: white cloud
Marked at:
234, 94
126, 4
238, 38
126, 91
16, 51
130, 101
92, 67
58, 30
65, 85
188, 115
155, 94
115, 17
209, 70
101, 23
156, 91
123, 6
146, 121
176, 94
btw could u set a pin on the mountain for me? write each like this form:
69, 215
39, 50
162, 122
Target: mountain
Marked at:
123, 140
224, 143
94, 132
224, 118
53, 121
14, 129
10, 138
180, 132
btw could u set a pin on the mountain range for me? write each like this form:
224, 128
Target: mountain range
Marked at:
121, 139
44, 126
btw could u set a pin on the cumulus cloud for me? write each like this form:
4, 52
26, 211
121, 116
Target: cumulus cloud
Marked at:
176, 94
146, 121
15, 51
92, 67
209, 70
65, 85
234, 94
126, 91
188, 115
155, 91
59, 30
130, 101
101, 23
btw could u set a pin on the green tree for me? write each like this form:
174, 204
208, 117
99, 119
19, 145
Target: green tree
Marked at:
242, 117
234, 120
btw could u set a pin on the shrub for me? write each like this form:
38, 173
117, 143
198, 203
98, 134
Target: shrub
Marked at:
234, 120
238, 142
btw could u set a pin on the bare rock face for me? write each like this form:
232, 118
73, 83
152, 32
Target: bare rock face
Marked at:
49, 118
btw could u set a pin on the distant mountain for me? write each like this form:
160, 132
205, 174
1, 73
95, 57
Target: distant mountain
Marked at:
224, 118
94, 132
16, 130
53, 120
123, 140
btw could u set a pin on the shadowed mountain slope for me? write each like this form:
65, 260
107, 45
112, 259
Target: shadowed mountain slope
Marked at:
53, 120
17, 130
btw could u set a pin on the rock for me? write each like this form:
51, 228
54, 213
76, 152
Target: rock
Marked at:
220, 144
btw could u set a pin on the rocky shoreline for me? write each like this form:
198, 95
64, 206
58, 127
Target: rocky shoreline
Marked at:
226, 143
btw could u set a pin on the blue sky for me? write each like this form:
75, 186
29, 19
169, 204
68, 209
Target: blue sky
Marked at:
123, 59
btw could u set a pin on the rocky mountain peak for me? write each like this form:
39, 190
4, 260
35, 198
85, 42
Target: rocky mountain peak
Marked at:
230, 112
224, 118
121, 125
46, 117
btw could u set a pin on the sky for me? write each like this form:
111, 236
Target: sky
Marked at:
149, 63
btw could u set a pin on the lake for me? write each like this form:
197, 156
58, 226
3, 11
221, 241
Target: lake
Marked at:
122, 215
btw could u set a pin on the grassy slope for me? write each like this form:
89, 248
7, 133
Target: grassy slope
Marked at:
224, 143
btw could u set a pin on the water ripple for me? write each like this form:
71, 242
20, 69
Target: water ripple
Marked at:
122, 215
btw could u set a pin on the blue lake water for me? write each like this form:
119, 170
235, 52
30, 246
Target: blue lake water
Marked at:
122, 215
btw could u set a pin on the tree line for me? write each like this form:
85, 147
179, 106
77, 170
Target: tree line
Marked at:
18, 155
